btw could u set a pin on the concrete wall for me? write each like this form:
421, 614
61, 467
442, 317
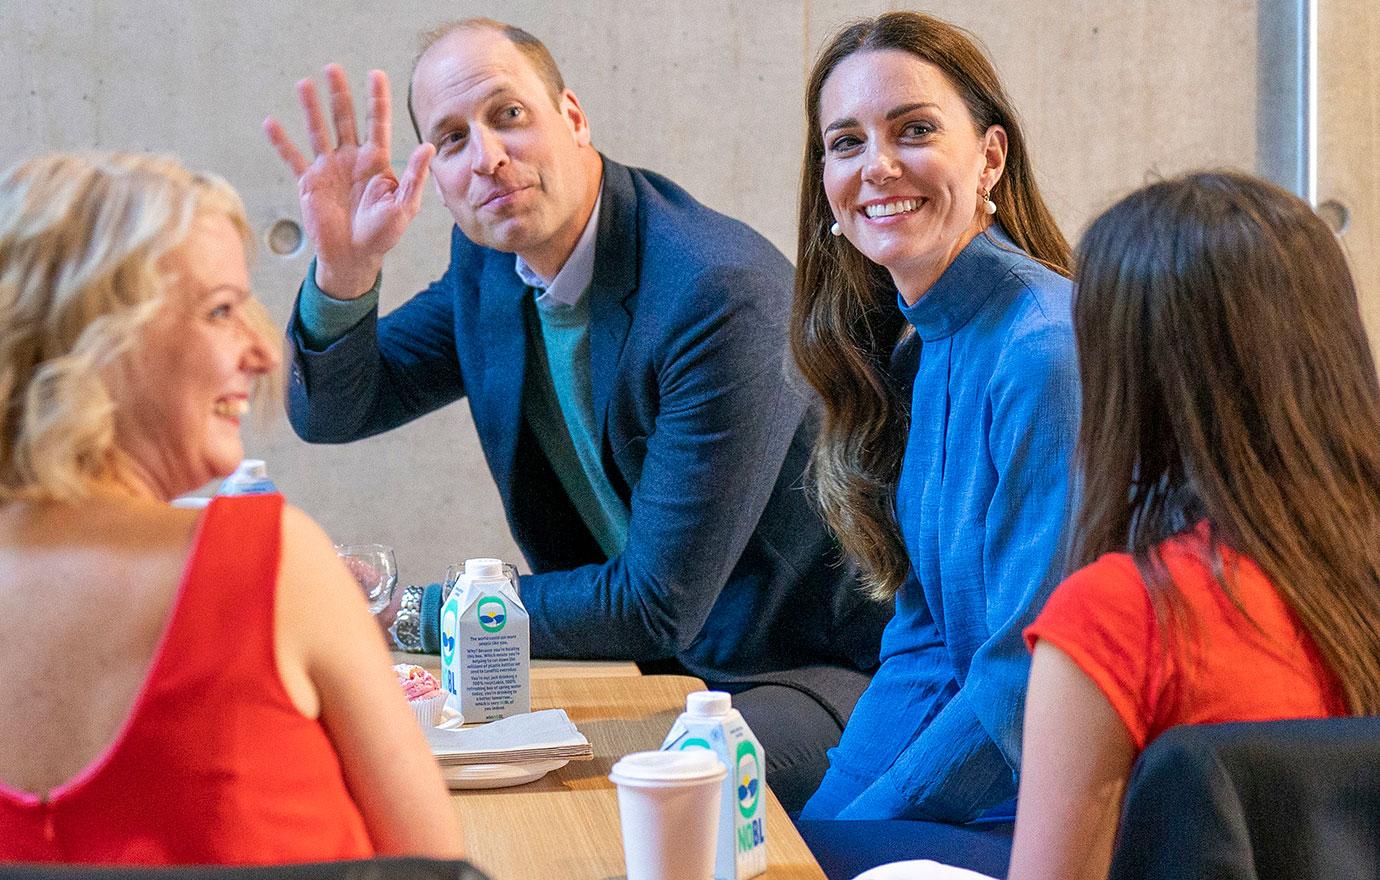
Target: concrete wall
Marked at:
1349, 139
707, 91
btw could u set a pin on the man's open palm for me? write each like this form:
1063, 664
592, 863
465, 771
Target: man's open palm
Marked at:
354, 207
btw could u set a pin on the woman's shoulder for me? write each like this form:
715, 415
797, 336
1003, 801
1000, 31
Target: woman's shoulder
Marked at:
100, 522
1033, 303
1112, 577
1116, 578
1041, 303
303, 537
1035, 346
1102, 610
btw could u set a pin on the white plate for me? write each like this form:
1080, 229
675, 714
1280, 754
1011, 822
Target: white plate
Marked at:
451, 719
498, 775
922, 869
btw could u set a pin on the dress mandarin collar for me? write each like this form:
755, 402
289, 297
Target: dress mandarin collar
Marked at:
953, 300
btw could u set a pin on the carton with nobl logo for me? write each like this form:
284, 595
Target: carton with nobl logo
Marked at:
486, 653
710, 722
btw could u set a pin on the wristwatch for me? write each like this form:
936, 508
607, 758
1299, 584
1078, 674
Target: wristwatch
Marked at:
407, 626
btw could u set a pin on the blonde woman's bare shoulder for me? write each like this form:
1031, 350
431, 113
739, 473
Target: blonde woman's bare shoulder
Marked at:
309, 560
304, 533
98, 521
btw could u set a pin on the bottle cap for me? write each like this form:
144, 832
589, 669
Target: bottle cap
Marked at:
484, 568
708, 704
250, 478
251, 469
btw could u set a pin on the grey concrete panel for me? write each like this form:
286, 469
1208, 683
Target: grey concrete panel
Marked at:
708, 92
702, 92
1349, 139
196, 80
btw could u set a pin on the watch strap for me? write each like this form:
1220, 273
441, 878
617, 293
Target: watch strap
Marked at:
406, 629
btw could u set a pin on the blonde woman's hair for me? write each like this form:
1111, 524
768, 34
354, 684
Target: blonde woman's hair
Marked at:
80, 240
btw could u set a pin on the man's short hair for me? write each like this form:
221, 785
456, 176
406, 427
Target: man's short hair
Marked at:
535, 51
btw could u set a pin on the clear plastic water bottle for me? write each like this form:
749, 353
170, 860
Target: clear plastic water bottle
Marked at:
250, 478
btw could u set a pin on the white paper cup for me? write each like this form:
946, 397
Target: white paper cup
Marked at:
668, 804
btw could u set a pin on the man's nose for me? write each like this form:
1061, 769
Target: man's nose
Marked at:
488, 153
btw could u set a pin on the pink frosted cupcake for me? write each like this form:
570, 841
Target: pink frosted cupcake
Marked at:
423, 693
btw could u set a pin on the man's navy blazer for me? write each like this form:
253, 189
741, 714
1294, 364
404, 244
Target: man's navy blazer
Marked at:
705, 432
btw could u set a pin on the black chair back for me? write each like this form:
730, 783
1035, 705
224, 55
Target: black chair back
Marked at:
362, 869
1255, 801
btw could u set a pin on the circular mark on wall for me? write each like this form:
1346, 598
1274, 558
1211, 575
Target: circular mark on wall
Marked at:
285, 238
1335, 215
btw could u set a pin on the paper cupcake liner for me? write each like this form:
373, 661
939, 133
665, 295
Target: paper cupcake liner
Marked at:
428, 709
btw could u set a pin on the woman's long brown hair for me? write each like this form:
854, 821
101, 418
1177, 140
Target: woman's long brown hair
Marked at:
1227, 376
845, 324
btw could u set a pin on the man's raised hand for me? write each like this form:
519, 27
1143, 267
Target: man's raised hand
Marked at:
354, 207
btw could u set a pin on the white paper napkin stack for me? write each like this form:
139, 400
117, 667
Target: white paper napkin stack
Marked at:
519, 739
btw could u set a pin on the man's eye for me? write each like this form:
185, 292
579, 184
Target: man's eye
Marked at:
221, 311
511, 113
449, 141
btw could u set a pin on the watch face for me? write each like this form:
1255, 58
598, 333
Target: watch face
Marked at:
406, 628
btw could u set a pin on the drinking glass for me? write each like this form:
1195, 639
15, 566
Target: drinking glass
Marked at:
374, 566
453, 573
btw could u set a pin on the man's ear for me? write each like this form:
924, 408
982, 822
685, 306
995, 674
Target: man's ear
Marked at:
575, 118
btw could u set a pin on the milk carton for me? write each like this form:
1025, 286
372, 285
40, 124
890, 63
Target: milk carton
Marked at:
711, 722
250, 478
486, 655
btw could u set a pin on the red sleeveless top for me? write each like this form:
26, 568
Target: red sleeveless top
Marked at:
214, 763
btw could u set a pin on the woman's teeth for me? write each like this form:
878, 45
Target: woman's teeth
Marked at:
231, 408
904, 206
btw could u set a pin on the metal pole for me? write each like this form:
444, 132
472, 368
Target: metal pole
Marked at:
1287, 95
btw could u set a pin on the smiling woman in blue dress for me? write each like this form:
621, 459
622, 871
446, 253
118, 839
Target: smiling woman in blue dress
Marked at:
932, 314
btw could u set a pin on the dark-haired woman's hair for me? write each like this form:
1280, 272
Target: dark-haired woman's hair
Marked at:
1227, 377
845, 324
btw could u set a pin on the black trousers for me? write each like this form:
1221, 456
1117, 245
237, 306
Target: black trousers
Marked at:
796, 732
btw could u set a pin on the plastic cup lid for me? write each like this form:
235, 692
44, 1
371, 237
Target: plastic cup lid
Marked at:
708, 703
692, 765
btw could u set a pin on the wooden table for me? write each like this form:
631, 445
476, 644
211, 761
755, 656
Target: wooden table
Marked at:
566, 825
540, 666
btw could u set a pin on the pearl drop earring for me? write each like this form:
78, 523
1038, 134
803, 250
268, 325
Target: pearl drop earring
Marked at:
987, 204
834, 229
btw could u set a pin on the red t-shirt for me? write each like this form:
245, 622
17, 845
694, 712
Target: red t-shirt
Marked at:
214, 763
1215, 667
